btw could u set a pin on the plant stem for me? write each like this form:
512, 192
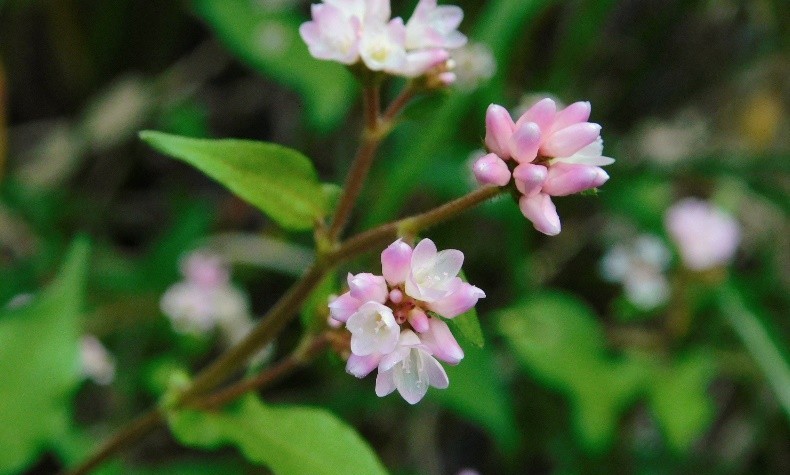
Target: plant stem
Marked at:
397, 105
371, 138
300, 357
135, 430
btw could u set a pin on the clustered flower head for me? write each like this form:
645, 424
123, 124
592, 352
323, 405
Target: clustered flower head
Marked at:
706, 236
349, 31
548, 152
640, 266
394, 318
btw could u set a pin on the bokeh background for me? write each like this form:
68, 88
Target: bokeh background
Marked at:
577, 376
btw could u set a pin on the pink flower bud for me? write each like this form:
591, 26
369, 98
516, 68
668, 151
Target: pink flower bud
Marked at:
499, 128
570, 140
524, 142
205, 270
396, 262
573, 114
367, 287
361, 366
542, 113
461, 299
396, 296
566, 179
447, 78
529, 178
541, 211
343, 307
440, 340
418, 320
491, 170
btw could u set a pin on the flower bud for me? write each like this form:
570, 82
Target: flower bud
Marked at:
440, 340
343, 307
524, 142
461, 299
418, 320
541, 211
396, 262
566, 179
491, 170
499, 129
529, 178
367, 287
570, 140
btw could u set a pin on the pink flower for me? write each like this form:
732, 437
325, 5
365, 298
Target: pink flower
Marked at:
432, 26
348, 31
705, 235
555, 153
388, 317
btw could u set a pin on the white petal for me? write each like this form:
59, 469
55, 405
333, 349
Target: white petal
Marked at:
384, 383
411, 377
437, 376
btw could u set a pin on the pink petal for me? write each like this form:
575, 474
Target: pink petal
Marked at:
343, 307
361, 366
367, 287
573, 114
541, 211
460, 300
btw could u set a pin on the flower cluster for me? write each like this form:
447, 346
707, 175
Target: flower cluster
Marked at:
348, 31
706, 236
553, 152
390, 321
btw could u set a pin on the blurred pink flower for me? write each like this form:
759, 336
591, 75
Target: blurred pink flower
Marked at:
706, 236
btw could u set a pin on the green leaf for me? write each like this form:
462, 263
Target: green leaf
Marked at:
678, 397
468, 325
557, 340
39, 364
478, 392
269, 42
290, 440
279, 181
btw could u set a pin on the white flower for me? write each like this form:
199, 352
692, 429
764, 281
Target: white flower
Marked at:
381, 46
433, 275
410, 369
97, 363
640, 267
373, 330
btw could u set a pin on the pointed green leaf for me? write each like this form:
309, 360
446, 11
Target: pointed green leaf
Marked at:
39, 364
290, 440
269, 41
468, 325
279, 181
